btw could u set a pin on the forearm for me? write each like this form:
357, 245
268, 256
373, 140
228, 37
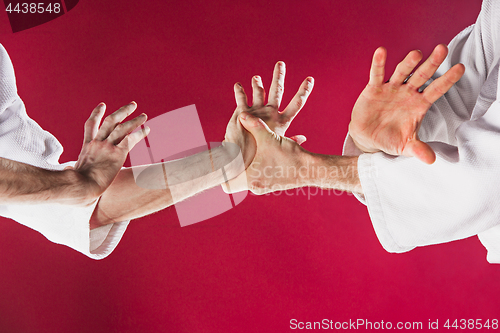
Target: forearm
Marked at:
139, 191
300, 168
334, 172
22, 183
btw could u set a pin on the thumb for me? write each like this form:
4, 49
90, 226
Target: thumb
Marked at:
300, 139
256, 126
420, 150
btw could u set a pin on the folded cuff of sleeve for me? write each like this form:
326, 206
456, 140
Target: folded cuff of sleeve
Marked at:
103, 240
367, 173
350, 149
68, 225
370, 197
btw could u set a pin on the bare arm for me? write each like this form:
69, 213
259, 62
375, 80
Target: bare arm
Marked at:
285, 166
22, 183
125, 199
102, 156
386, 118
161, 185
281, 164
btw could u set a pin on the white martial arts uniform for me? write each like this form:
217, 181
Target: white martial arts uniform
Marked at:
23, 140
413, 204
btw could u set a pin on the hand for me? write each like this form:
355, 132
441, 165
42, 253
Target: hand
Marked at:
277, 121
277, 162
387, 116
281, 164
105, 149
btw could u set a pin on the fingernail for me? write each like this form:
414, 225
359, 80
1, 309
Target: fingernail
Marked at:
310, 79
256, 78
133, 102
243, 116
102, 103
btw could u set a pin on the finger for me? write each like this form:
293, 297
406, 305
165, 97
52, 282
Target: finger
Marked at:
114, 119
259, 94
278, 85
123, 129
240, 96
420, 150
130, 140
299, 100
442, 84
377, 70
425, 71
256, 126
300, 139
405, 67
92, 124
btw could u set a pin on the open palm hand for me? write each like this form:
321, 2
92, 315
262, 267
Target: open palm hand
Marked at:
387, 115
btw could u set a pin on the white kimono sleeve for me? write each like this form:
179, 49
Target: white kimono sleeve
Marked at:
23, 140
413, 204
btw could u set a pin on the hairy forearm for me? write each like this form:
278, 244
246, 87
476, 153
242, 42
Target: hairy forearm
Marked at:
22, 183
142, 190
300, 168
334, 172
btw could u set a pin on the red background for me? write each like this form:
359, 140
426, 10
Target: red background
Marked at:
272, 258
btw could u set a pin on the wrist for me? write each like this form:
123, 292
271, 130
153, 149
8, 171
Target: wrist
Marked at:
359, 142
230, 160
74, 189
308, 164
334, 172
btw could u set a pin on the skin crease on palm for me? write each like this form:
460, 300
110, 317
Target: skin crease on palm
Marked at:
387, 115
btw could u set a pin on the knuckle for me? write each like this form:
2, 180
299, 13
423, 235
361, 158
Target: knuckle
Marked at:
438, 90
126, 143
434, 63
411, 86
401, 73
279, 88
423, 75
450, 79
259, 89
299, 103
119, 127
113, 117
109, 120
308, 88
